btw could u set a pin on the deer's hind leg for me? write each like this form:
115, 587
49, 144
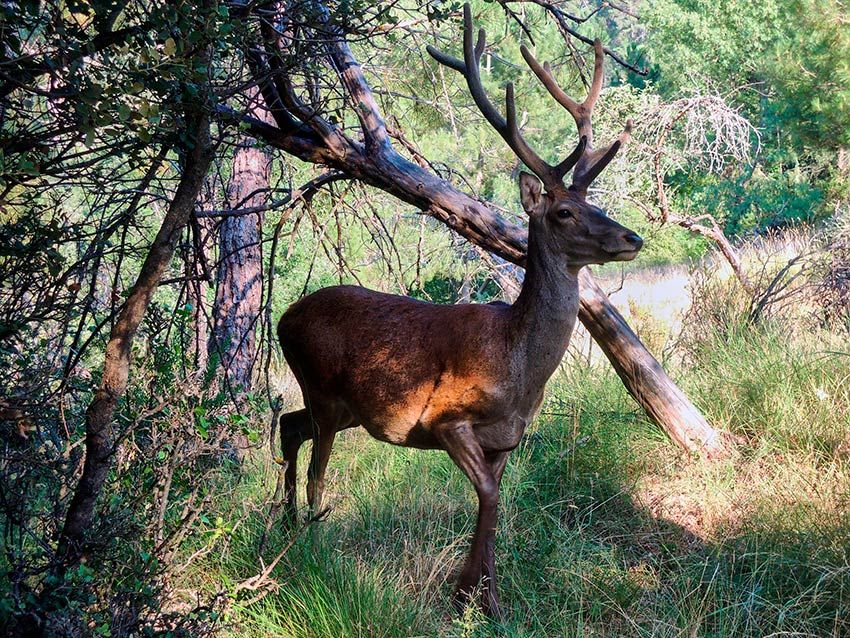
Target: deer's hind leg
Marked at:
463, 448
328, 419
295, 428
496, 462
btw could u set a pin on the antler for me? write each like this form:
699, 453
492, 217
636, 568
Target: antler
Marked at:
551, 176
592, 162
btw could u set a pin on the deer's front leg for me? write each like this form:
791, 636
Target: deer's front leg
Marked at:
496, 462
463, 448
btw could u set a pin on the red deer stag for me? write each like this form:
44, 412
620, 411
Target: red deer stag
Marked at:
465, 378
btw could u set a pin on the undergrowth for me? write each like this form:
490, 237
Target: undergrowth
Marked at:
605, 529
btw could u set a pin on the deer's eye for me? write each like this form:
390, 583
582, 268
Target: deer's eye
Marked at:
564, 213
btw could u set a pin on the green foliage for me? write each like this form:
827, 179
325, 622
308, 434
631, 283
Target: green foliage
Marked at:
755, 203
780, 382
167, 472
811, 75
447, 290
706, 43
329, 596
785, 65
662, 244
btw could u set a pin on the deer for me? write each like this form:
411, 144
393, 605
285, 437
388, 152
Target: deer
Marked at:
465, 378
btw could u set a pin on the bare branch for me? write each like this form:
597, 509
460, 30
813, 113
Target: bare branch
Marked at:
278, 43
351, 75
562, 18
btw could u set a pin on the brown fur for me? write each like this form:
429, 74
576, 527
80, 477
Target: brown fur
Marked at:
343, 339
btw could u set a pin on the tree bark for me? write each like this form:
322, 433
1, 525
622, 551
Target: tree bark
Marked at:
100, 435
239, 279
642, 375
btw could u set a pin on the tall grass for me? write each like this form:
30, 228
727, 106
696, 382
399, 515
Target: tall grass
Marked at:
605, 530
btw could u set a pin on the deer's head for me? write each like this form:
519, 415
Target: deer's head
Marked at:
561, 220
570, 228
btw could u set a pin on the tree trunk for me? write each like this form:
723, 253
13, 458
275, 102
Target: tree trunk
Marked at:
100, 435
200, 279
642, 375
239, 280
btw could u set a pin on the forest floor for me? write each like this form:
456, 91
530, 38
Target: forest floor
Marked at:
605, 528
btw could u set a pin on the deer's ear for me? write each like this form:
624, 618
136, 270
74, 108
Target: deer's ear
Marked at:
531, 194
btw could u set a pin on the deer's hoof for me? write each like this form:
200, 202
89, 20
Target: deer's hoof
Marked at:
483, 599
320, 515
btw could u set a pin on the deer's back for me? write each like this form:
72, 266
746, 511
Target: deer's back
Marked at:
399, 364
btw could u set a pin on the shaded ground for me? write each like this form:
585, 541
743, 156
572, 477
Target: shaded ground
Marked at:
607, 533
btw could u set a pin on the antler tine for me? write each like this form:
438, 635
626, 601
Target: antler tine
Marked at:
595, 162
580, 112
572, 159
545, 171
454, 63
507, 128
446, 60
598, 74
471, 58
480, 43
544, 74
588, 163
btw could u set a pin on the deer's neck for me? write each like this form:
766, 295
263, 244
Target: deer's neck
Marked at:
544, 314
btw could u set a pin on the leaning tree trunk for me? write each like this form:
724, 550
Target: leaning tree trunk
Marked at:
298, 130
239, 280
641, 373
100, 433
